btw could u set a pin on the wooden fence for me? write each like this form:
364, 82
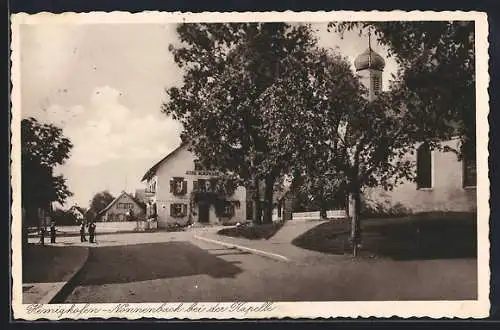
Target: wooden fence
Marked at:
330, 214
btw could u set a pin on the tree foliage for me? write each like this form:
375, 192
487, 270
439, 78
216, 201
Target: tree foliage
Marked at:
264, 100
228, 67
64, 217
436, 77
43, 147
99, 202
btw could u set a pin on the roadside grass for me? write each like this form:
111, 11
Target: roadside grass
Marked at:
436, 235
251, 231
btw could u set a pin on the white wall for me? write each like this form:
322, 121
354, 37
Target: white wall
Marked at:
446, 194
177, 166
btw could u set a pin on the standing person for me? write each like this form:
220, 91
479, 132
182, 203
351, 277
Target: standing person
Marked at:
92, 232
82, 232
53, 232
42, 236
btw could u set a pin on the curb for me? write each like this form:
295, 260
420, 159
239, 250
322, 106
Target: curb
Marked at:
58, 294
269, 255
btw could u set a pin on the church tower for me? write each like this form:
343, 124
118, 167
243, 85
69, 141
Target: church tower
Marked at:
369, 66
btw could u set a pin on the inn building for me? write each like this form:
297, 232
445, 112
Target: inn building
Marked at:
180, 192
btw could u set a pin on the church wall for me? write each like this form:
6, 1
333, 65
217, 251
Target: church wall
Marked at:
447, 192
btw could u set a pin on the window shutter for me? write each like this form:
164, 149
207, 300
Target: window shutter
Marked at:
213, 184
230, 187
172, 185
184, 187
184, 210
195, 185
171, 210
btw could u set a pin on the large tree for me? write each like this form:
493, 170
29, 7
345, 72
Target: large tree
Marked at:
64, 217
436, 76
43, 147
342, 134
228, 67
431, 98
320, 190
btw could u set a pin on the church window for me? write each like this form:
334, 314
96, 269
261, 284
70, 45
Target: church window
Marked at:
376, 84
424, 167
469, 167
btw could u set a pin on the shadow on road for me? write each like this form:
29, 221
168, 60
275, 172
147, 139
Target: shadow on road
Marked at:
142, 262
44, 264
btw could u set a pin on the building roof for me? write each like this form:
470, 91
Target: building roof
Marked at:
155, 167
79, 209
369, 59
113, 202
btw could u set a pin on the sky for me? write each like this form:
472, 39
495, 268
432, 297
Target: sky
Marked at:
104, 84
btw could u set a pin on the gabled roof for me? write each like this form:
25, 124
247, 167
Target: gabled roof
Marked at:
113, 202
155, 167
79, 209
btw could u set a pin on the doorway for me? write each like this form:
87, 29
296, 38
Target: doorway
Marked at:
203, 212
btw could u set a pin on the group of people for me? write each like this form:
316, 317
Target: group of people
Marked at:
52, 233
91, 228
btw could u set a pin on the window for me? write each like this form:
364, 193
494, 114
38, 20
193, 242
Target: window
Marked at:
125, 205
228, 210
178, 186
424, 167
197, 165
469, 166
178, 210
376, 84
151, 188
201, 185
205, 185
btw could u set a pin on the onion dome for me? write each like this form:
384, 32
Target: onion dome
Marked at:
369, 60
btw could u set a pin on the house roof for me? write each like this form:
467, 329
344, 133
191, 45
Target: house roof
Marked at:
155, 167
113, 202
79, 209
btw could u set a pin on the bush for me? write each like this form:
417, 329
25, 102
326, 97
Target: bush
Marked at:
252, 231
384, 210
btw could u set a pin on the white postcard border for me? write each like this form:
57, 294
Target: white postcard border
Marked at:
435, 309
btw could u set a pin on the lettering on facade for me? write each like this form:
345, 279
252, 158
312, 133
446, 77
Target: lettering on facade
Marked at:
205, 173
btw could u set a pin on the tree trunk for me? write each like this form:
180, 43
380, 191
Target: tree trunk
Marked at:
354, 211
268, 200
322, 211
256, 212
